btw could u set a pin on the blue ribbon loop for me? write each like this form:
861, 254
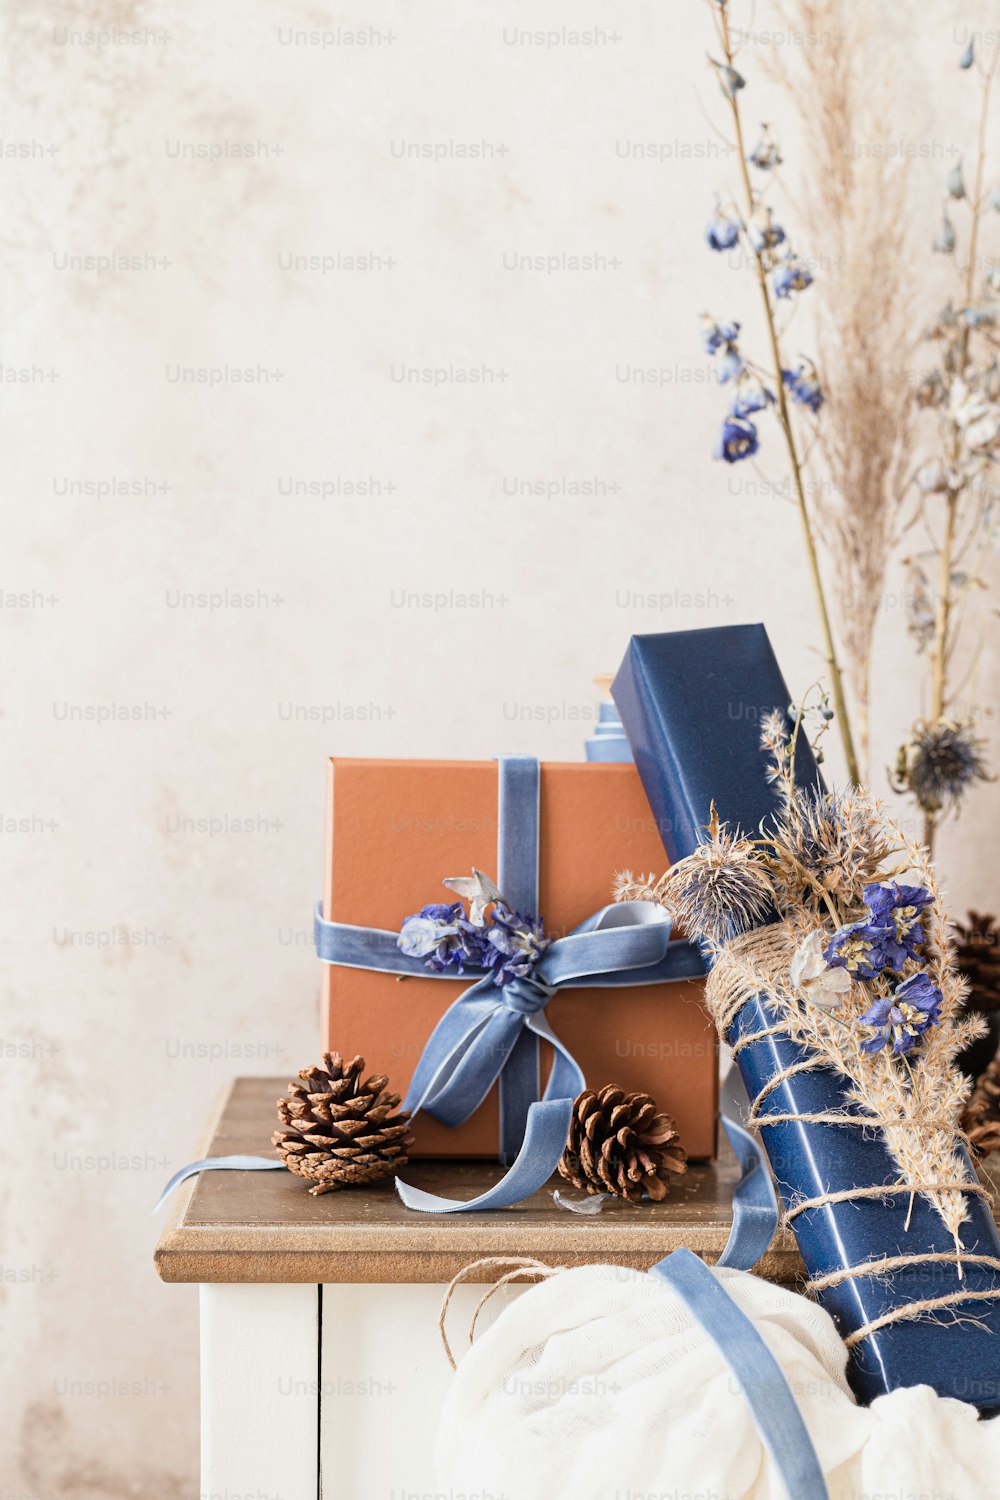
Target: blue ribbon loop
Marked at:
755, 1202
491, 1033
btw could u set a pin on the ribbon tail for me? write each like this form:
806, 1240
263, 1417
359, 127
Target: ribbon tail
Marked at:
755, 1203
518, 1088
545, 1137
461, 1062
448, 1044
219, 1164
566, 1079
761, 1379
544, 1142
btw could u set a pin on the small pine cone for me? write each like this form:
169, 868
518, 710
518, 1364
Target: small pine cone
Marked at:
619, 1144
339, 1131
981, 1118
977, 950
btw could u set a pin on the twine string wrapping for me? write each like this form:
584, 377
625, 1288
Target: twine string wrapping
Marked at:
891, 1263
758, 963
889, 1190
519, 1267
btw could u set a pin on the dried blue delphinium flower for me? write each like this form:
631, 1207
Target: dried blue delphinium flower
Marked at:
730, 364
902, 1017
940, 763
791, 275
715, 335
516, 942
720, 339
505, 943
435, 934
764, 232
778, 277
900, 907
803, 385
766, 155
944, 240
750, 395
730, 82
887, 937
860, 948
968, 54
975, 416
942, 757
722, 232
995, 199
737, 440
821, 710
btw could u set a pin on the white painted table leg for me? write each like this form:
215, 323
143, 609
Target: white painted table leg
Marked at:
259, 1391
384, 1380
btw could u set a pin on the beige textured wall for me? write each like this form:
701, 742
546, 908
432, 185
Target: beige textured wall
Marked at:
116, 1046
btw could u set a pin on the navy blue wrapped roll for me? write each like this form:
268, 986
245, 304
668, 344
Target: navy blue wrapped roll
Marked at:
692, 703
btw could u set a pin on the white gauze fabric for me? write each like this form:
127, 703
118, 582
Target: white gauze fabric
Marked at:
596, 1384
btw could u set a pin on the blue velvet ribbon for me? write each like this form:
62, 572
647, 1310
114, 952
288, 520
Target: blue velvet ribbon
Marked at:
775, 1411
755, 1218
219, 1164
755, 1202
491, 1033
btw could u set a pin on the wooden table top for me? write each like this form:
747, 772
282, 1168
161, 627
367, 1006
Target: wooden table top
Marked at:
265, 1226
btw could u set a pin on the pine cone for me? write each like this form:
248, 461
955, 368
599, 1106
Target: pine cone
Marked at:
339, 1131
619, 1144
981, 1118
978, 954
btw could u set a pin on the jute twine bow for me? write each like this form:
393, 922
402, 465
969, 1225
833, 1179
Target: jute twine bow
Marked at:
757, 963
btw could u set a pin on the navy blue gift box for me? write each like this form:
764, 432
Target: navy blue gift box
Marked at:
692, 703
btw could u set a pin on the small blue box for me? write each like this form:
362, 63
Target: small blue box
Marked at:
609, 741
692, 702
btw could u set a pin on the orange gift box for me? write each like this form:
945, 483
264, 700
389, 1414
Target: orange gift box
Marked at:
396, 828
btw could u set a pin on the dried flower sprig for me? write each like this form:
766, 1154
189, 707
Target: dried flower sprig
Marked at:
774, 384
872, 990
854, 205
958, 498
503, 943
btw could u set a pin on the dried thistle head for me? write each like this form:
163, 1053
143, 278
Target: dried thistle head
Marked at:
629, 887
721, 889
940, 763
832, 842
